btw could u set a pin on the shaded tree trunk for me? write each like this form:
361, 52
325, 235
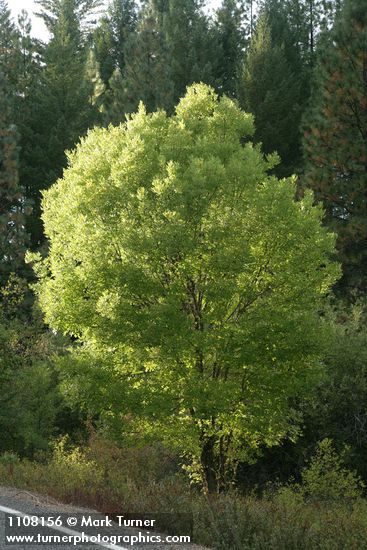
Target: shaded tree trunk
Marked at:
207, 460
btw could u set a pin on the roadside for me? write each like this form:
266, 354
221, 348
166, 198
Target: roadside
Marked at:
43, 506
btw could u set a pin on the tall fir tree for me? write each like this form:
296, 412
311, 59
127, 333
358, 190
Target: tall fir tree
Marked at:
189, 43
28, 75
62, 109
12, 204
335, 138
111, 40
172, 47
9, 50
111, 36
231, 43
272, 93
147, 76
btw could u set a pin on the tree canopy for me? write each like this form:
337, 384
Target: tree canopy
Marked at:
335, 138
163, 263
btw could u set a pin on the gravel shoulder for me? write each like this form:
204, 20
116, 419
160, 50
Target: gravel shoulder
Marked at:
32, 503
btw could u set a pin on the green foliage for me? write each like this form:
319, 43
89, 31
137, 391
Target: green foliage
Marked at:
146, 76
188, 42
203, 336
338, 410
13, 238
62, 102
272, 92
335, 138
116, 480
171, 48
27, 376
112, 34
325, 478
231, 41
9, 52
112, 50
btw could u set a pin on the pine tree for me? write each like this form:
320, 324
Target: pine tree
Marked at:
147, 75
335, 138
122, 15
272, 93
189, 43
110, 43
9, 50
172, 47
231, 43
62, 109
12, 205
111, 36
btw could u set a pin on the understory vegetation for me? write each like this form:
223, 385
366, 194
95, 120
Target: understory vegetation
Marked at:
325, 510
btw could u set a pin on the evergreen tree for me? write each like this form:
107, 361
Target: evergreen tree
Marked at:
189, 43
231, 42
288, 27
111, 36
147, 75
122, 15
172, 47
28, 75
335, 138
103, 49
273, 94
110, 44
61, 102
12, 232
9, 50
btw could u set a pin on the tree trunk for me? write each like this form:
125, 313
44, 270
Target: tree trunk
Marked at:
207, 460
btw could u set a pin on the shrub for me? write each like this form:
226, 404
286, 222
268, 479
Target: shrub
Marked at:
325, 478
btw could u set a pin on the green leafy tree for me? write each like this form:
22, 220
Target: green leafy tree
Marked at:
335, 139
326, 478
193, 279
338, 409
273, 94
27, 375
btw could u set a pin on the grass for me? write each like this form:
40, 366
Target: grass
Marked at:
148, 481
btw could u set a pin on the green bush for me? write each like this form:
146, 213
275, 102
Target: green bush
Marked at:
325, 478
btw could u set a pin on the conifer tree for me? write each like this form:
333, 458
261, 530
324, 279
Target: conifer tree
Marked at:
147, 75
231, 43
335, 138
12, 232
272, 93
9, 50
111, 36
62, 108
188, 41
